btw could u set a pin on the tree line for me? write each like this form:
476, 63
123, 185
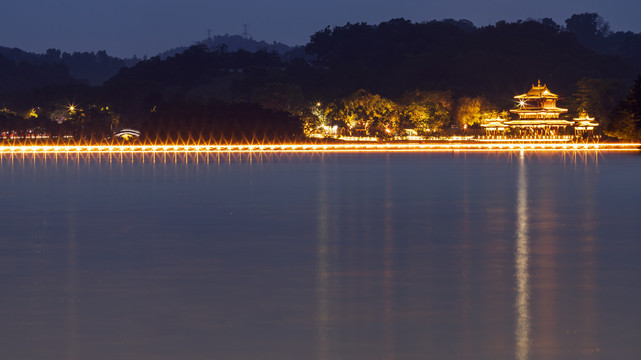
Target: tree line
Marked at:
368, 79
428, 113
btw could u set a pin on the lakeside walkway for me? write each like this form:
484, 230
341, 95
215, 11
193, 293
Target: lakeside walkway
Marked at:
333, 147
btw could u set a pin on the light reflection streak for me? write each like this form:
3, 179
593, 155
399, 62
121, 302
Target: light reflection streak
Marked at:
133, 158
375, 147
588, 260
466, 299
545, 306
521, 255
388, 276
72, 291
322, 271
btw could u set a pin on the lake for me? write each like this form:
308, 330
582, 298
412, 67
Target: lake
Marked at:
455, 255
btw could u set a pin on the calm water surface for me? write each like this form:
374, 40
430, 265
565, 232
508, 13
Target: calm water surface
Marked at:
334, 256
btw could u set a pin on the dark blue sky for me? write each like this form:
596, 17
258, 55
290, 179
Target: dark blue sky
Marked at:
147, 27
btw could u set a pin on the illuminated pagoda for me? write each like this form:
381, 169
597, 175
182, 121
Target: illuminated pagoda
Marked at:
584, 124
495, 126
538, 115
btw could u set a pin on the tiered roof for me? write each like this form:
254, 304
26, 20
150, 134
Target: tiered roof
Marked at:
585, 122
537, 108
538, 91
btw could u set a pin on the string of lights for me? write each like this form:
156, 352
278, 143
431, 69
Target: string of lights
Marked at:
382, 147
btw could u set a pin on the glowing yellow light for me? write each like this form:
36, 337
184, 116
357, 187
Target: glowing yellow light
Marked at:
347, 147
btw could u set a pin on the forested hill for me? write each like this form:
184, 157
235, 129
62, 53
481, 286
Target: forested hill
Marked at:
447, 67
25, 75
232, 43
594, 32
498, 61
389, 59
90, 67
397, 55
94, 68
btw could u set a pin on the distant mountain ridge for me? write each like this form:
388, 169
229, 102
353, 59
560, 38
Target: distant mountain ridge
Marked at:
24, 75
55, 67
232, 43
94, 68
450, 63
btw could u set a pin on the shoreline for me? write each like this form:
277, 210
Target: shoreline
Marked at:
315, 147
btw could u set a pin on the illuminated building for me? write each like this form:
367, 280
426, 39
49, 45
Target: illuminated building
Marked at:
495, 126
127, 134
584, 124
538, 116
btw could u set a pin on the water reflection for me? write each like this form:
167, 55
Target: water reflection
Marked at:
388, 264
588, 250
521, 255
466, 274
354, 257
322, 270
545, 218
72, 288
36, 159
585, 158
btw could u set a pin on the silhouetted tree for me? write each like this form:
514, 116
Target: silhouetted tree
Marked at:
626, 121
589, 28
598, 97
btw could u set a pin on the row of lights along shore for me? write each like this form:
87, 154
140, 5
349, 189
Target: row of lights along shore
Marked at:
173, 148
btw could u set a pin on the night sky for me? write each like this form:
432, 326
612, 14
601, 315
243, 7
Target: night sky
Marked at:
147, 27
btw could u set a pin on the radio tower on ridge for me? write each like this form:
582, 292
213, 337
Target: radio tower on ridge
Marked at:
245, 33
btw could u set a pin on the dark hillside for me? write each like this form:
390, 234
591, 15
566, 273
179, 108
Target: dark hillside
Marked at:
497, 61
25, 75
446, 74
90, 67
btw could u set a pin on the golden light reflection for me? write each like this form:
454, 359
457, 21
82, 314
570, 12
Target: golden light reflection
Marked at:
521, 258
368, 147
72, 291
322, 270
588, 250
465, 289
388, 273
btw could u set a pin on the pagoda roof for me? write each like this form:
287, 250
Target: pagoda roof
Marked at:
537, 92
587, 123
500, 124
551, 109
585, 120
584, 117
534, 122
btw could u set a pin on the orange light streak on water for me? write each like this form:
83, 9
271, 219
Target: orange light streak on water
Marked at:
384, 147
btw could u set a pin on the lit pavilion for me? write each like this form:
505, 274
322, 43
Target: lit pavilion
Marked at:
538, 115
584, 124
